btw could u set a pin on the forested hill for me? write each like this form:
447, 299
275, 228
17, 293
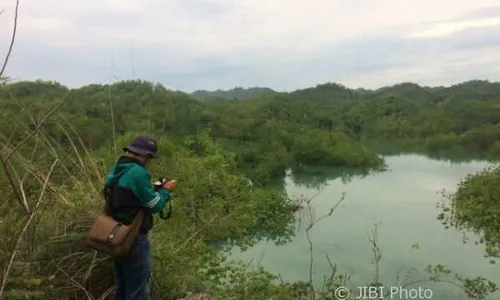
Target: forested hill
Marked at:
324, 125
236, 93
469, 90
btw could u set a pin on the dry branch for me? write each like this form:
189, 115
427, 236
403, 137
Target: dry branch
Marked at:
19, 196
35, 131
311, 291
5, 159
12, 40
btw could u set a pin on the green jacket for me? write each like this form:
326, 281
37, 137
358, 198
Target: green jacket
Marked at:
133, 189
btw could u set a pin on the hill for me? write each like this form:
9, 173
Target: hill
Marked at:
276, 131
237, 93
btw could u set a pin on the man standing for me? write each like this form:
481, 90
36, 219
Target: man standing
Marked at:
132, 192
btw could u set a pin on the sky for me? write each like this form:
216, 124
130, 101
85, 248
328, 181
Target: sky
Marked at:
282, 44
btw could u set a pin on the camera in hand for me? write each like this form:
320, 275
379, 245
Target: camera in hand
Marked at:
158, 185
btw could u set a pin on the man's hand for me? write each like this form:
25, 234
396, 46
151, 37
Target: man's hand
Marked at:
170, 184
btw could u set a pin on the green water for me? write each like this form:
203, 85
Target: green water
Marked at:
403, 200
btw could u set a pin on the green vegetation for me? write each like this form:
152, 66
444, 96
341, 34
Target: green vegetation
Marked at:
476, 207
278, 131
233, 94
265, 144
229, 158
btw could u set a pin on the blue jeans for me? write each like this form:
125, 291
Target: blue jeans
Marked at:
133, 273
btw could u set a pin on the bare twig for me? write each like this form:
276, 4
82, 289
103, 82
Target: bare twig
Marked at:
16, 124
106, 293
261, 257
111, 110
12, 40
281, 278
90, 268
249, 263
425, 280
9, 139
75, 283
4, 160
405, 277
35, 131
187, 240
332, 266
311, 291
79, 157
78, 137
191, 237
12, 184
23, 194
6, 272
377, 254
32, 170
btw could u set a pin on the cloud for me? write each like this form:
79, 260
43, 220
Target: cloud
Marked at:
489, 12
283, 44
447, 28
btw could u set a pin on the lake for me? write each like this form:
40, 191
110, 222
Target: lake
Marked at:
403, 201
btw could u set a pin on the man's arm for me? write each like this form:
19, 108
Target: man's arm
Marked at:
148, 197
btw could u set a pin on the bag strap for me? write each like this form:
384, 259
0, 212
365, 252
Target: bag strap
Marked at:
106, 190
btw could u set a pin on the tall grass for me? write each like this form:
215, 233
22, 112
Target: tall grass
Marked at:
48, 256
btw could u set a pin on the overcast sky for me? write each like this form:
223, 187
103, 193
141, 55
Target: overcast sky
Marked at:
281, 44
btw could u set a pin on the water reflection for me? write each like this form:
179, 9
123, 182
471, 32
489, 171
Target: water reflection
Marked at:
317, 177
455, 155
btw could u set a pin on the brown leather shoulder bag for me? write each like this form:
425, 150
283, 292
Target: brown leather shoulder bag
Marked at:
111, 237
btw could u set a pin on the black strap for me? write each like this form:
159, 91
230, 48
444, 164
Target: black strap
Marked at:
115, 179
107, 190
111, 235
